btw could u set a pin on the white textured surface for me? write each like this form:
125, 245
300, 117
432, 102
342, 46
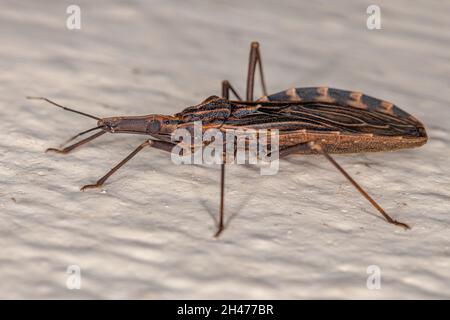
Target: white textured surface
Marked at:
304, 233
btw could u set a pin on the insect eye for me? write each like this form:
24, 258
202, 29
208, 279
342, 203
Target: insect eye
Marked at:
153, 126
111, 126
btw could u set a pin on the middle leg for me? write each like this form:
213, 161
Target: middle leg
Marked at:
254, 59
226, 88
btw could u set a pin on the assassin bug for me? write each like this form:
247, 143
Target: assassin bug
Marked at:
317, 120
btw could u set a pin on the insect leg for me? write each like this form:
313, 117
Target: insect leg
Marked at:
316, 147
254, 58
226, 88
221, 226
80, 134
162, 145
75, 145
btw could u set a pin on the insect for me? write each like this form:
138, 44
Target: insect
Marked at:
316, 120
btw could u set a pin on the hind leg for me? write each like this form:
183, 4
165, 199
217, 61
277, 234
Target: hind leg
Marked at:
316, 147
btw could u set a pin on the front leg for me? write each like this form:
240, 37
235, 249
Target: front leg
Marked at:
79, 143
162, 145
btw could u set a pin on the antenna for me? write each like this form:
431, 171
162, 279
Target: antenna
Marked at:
65, 108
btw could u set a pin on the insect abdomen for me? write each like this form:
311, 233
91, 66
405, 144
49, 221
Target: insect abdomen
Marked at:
379, 141
342, 98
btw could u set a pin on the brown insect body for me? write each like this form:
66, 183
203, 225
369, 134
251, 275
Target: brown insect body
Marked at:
342, 121
159, 126
310, 120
